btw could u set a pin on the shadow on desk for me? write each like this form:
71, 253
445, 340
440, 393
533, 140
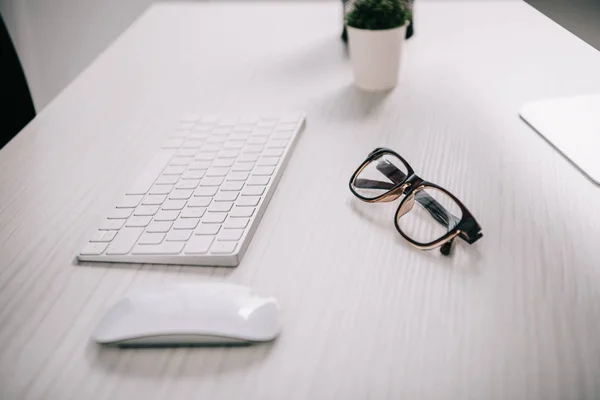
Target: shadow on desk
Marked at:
180, 270
154, 362
464, 259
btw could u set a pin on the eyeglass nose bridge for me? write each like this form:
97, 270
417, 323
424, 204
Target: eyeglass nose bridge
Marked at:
411, 183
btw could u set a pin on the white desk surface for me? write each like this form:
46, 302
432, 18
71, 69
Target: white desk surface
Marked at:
516, 316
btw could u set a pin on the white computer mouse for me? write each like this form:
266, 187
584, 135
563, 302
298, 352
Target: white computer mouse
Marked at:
206, 313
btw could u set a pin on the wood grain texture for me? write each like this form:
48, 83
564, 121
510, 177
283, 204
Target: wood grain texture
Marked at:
516, 316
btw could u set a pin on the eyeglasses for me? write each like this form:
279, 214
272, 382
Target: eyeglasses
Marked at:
439, 216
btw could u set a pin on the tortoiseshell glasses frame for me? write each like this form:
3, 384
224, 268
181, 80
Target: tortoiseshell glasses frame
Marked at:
413, 188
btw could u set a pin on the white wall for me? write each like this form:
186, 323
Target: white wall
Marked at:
57, 39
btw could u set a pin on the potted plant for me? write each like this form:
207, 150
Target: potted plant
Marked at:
376, 32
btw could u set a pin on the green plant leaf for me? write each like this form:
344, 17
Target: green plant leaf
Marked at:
378, 14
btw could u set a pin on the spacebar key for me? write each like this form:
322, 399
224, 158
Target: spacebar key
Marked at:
163, 248
124, 241
144, 182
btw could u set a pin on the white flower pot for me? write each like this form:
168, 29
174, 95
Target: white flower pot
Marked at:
375, 56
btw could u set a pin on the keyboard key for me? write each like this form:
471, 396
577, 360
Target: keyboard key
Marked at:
261, 131
277, 143
239, 136
173, 205
222, 131
207, 229
222, 162
166, 248
138, 221
161, 189
222, 206
167, 179
112, 225
272, 152
179, 236
266, 171
159, 227
214, 217
217, 171
146, 179
258, 181
217, 140
151, 238
145, 210
248, 201
255, 148
223, 247
257, 140
211, 147
154, 200
94, 249
233, 145
103, 236
236, 223
199, 202
124, 241
244, 212
238, 176
229, 153
268, 161
198, 245
205, 156
187, 184
206, 191
282, 135
253, 191
191, 144
243, 166
230, 234
186, 152
211, 181
198, 135
226, 196
186, 223
174, 170
248, 157
192, 174
120, 213
194, 212
164, 215
130, 201
180, 160
196, 165
232, 186
182, 194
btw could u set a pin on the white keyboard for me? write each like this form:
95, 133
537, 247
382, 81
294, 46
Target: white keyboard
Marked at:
201, 198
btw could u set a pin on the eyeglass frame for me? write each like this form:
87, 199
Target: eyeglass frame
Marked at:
410, 184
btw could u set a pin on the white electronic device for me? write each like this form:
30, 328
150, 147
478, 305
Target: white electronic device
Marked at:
207, 313
201, 198
572, 126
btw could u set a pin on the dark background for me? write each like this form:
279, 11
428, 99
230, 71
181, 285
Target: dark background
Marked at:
581, 17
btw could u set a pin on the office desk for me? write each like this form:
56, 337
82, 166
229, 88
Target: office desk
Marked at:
516, 316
